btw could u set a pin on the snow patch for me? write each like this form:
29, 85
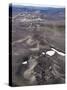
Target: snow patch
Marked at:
50, 53
25, 62
60, 53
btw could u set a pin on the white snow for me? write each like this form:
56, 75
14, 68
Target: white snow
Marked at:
60, 53
50, 53
43, 53
25, 62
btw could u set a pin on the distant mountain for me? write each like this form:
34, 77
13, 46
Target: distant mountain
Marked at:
51, 13
46, 10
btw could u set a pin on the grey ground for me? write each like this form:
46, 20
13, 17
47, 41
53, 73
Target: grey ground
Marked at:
33, 34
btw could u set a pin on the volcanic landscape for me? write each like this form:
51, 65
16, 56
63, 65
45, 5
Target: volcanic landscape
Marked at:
38, 45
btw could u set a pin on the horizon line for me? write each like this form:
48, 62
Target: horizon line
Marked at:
36, 5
